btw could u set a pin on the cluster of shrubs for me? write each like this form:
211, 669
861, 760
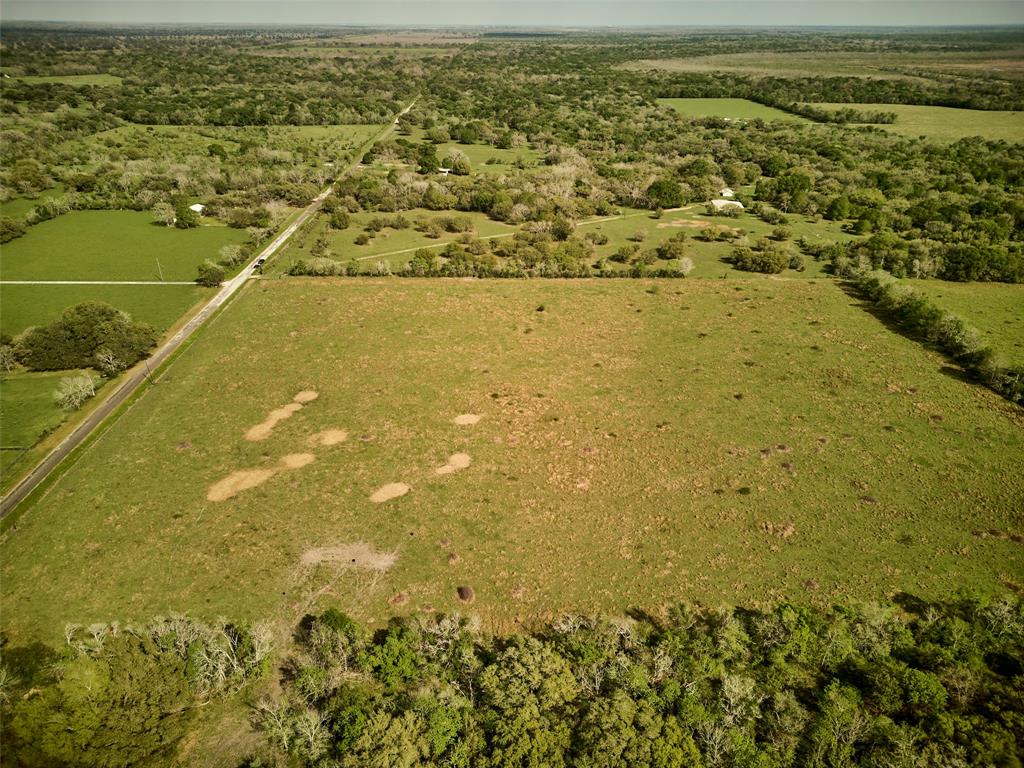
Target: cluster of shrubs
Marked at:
914, 312
766, 256
88, 335
121, 696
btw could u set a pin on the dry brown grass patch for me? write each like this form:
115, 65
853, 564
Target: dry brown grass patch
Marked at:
330, 437
456, 462
389, 492
239, 481
358, 555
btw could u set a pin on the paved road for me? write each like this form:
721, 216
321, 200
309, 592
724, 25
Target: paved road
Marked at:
140, 373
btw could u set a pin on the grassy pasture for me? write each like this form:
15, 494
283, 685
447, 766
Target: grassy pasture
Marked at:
707, 257
875, 64
733, 109
995, 309
112, 245
384, 243
18, 207
27, 411
639, 443
158, 305
95, 79
397, 247
946, 123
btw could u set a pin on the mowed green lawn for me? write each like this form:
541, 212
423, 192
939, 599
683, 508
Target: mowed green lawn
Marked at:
22, 306
639, 443
112, 245
995, 309
946, 123
734, 109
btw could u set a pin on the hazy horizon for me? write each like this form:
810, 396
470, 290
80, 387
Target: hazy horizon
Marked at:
580, 14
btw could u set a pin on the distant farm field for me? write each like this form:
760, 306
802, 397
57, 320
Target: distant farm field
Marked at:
946, 123
874, 64
112, 245
995, 309
733, 109
96, 79
584, 445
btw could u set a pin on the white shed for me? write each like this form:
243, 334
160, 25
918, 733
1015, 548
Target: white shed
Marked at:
727, 192
444, 171
198, 208
723, 204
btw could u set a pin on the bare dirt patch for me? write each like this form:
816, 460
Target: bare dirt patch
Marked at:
688, 223
297, 460
265, 428
456, 462
306, 396
239, 481
358, 555
330, 437
466, 594
389, 492
466, 419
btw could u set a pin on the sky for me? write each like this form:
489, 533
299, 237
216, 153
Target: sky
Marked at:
559, 13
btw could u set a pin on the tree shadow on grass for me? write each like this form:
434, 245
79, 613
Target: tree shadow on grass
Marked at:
951, 369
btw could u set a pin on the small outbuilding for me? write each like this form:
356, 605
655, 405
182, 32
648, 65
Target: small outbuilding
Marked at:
727, 192
198, 208
444, 171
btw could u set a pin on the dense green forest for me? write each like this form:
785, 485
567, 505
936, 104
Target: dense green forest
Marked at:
905, 684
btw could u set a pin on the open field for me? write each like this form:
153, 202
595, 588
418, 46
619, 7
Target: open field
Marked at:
18, 207
27, 411
707, 257
637, 443
904, 65
386, 241
733, 109
995, 309
112, 245
95, 79
157, 305
946, 123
